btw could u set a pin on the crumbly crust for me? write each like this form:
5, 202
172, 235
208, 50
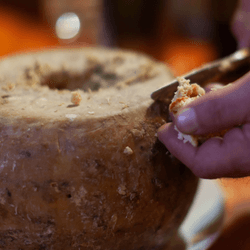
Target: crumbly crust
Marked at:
92, 176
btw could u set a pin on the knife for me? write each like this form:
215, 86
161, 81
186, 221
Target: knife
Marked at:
208, 73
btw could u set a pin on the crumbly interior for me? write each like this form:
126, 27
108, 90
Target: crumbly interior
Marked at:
185, 94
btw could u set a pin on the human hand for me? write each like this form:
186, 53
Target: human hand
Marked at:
225, 108
241, 24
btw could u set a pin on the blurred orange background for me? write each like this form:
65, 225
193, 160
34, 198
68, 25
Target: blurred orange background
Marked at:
21, 31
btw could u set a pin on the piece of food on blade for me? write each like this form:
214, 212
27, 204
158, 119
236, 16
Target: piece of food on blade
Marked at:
185, 94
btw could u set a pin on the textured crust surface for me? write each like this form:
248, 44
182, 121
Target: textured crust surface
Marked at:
91, 176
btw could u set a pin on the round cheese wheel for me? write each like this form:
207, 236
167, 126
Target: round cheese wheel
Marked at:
80, 163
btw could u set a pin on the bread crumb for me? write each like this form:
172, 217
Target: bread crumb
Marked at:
9, 86
138, 133
187, 138
128, 151
91, 112
76, 97
55, 186
71, 116
122, 190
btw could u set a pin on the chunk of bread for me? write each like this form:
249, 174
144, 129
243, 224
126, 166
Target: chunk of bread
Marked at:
89, 174
185, 94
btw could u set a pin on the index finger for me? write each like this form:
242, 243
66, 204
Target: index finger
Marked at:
217, 157
218, 110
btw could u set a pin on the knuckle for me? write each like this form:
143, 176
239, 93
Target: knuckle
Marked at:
214, 115
202, 170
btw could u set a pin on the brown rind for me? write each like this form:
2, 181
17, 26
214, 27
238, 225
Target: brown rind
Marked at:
66, 181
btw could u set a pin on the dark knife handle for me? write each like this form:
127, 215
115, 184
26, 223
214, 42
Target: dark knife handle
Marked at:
207, 73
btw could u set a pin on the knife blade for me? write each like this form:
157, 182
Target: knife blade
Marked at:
206, 74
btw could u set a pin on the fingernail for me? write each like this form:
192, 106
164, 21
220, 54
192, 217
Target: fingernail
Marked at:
186, 121
161, 133
162, 129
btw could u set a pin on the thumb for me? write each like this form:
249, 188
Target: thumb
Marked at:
220, 109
